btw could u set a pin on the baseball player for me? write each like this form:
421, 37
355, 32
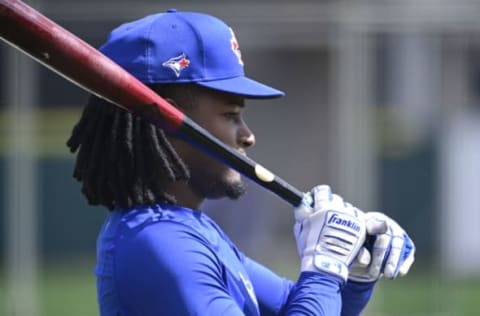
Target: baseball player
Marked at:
158, 253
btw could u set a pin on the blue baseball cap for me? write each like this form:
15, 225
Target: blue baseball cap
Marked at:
181, 47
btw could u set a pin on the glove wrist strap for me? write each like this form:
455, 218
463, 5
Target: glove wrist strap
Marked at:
324, 263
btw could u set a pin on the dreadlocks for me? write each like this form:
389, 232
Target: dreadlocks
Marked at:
122, 159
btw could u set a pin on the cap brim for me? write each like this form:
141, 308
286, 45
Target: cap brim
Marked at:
244, 86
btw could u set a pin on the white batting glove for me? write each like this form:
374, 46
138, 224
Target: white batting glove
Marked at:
390, 252
329, 234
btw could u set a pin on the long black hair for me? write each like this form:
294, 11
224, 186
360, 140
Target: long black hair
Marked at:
122, 160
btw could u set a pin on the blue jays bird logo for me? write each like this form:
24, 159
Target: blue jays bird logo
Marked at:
177, 64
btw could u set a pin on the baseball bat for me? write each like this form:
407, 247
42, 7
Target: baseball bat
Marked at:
28, 30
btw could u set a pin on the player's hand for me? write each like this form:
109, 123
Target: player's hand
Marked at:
329, 234
389, 250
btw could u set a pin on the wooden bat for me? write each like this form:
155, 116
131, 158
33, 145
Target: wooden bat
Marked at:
28, 30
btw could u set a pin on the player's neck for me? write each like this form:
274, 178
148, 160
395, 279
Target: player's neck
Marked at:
185, 196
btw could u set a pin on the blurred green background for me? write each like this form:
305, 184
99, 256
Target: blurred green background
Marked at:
382, 104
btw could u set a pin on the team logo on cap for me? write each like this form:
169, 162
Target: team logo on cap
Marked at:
177, 64
236, 47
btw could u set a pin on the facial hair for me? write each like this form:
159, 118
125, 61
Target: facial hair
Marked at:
216, 186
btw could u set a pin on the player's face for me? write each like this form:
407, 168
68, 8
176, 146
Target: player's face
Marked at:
222, 115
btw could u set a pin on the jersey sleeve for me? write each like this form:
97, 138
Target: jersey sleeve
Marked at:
169, 271
313, 293
264, 281
355, 297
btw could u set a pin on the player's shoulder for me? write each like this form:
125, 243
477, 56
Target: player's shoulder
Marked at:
166, 224
141, 216
162, 234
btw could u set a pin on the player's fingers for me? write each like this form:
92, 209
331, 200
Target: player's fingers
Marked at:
323, 198
321, 194
380, 250
408, 256
393, 260
406, 266
376, 226
363, 257
303, 211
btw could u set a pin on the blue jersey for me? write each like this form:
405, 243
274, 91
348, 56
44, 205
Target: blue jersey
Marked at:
170, 260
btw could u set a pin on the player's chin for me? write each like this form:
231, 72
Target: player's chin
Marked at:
235, 190
231, 186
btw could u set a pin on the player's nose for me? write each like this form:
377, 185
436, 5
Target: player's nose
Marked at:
246, 137
249, 141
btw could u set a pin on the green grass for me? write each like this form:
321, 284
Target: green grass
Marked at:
426, 294
69, 289
63, 289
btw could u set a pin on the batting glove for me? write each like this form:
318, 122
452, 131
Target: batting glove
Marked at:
389, 250
329, 234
